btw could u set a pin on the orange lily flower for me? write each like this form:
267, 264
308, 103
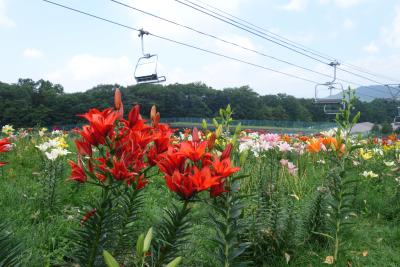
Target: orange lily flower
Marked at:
330, 142
314, 146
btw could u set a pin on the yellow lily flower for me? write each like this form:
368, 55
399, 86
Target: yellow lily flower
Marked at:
366, 155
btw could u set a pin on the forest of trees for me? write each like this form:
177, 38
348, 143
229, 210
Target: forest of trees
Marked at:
30, 103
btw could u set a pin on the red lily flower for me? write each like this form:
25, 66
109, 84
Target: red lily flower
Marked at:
135, 120
90, 136
217, 190
223, 167
203, 179
170, 162
77, 172
84, 148
193, 150
160, 145
140, 183
4, 145
120, 172
180, 184
101, 122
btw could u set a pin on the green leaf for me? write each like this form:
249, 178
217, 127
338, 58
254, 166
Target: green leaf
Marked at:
356, 118
215, 122
204, 124
238, 129
109, 259
228, 109
322, 234
139, 245
175, 262
147, 240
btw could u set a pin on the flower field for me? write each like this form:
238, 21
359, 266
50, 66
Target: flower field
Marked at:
125, 190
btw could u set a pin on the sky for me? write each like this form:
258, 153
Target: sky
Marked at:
42, 41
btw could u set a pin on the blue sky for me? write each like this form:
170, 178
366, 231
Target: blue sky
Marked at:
39, 40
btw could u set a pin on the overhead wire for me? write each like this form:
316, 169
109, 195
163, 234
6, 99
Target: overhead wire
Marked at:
261, 30
366, 78
181, 43
226, 41
363, 70
232, 22
252, 32
286, 40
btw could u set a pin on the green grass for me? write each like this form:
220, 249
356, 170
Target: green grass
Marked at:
43, 235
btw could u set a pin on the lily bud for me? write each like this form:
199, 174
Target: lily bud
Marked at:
153, 112
218, 131
227, 152
117, 99
211, 141
195, 135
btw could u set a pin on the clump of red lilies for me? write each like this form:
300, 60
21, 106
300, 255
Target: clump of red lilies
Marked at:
4, 147
190, 167
113, 148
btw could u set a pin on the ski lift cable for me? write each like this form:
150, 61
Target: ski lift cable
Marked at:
269, 39
92, 15
366, 78
233, 58
371, 73
219, 17
261, 30
286, 40
228, 42
252, 32
182, 43
177, 42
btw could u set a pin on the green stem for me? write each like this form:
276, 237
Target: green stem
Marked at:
2, 168
52, 184
94, 249
337, 233
228, 229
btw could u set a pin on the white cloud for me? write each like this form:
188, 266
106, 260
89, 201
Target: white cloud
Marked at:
391, 36
32, 53
85, 71
304, 38
295, 5
341, 3
388, 66
5, 21
371, 48
236, 51
347, 3
349, 24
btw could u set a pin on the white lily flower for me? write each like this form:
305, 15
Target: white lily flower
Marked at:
389, 163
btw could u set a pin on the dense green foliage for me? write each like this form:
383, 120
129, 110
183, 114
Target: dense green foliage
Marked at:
10, 250
375, 226
28, 103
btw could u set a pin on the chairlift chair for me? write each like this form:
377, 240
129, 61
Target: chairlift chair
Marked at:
334, 102
146, 67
